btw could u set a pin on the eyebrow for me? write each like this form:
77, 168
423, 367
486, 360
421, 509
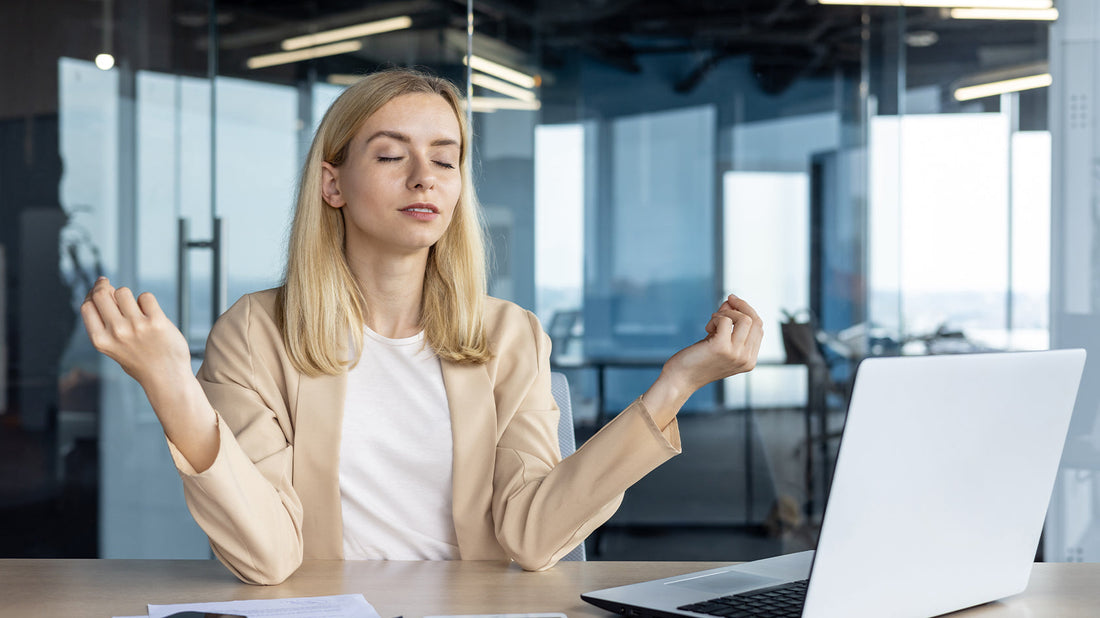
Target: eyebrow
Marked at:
401, 137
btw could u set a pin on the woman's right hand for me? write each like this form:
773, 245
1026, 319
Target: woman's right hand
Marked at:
136, 334
145, 343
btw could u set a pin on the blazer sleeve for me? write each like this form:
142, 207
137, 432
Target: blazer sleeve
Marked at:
544, 506
245, 502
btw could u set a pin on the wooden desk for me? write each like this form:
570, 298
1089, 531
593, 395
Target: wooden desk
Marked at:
106, 588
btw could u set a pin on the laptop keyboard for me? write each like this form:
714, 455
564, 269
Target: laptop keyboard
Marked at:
782, 601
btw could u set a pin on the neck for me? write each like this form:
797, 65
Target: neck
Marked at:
392, 287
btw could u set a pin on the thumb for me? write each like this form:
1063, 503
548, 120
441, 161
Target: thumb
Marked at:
723, 327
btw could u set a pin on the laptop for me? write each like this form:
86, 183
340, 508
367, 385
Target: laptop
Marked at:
939, 494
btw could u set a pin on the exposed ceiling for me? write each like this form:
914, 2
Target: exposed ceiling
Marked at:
785, 39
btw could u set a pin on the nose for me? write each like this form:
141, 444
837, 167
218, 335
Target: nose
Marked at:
421, 175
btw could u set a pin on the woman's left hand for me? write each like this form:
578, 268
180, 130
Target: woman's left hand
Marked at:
729, 348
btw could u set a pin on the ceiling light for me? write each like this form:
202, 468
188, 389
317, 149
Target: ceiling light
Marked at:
947, 4
349, 32
492, 104
1024, 14
105, 61
343, 79
502, 87
501, 71
921, 38
269, 60
979, 91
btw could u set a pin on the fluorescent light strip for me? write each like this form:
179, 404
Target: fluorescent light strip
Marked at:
502, 87
980, 91
492, 104
343, 79
1022, 14
350, 32
948, 4
499, 70
270, 60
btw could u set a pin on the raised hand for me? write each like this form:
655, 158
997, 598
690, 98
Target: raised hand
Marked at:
730, 347
145, 343
136, 334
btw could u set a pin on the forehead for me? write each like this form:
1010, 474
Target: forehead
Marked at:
417, 115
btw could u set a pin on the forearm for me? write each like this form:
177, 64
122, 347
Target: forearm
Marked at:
541, 510
188, 419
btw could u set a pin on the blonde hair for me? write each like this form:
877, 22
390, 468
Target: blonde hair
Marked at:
320, 306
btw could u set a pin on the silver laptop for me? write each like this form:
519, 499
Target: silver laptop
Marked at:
941, 486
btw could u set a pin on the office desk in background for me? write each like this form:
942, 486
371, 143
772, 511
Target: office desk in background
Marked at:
106, 588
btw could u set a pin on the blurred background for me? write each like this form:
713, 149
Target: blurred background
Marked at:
876, 180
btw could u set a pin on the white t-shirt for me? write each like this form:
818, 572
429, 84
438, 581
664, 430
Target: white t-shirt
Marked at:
396, 454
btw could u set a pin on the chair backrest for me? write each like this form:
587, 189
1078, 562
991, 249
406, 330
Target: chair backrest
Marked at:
559, 388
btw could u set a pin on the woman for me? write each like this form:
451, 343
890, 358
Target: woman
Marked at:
379, 404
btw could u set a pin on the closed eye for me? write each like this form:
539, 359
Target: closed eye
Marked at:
389, 159
449, 166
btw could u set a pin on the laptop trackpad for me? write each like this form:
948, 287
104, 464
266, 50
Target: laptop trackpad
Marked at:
727, 582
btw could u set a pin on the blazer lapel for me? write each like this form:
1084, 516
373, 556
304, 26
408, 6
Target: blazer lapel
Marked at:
473, 428
319, 414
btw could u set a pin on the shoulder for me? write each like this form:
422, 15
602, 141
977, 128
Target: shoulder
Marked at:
515, 334
247, 328
257, 306
506, 319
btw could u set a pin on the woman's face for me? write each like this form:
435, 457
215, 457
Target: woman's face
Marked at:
400, 183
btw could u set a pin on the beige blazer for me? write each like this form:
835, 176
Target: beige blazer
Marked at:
272, 496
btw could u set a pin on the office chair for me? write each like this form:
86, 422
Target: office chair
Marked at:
559, 388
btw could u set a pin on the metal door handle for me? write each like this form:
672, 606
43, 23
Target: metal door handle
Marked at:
184, 245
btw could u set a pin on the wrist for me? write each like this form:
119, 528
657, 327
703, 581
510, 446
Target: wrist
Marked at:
666, 396
676, 382
166, 385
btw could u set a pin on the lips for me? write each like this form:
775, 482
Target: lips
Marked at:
421, 208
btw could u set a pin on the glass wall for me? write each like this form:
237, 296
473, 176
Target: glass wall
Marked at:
636, 162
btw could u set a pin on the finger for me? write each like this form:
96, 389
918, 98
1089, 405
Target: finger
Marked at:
127, 305
742, 329
723, 327
92, 322
103, 295
727, 313
99, 283
757, 336
712, 324
149, 305
738, 322
743, 306
732, 314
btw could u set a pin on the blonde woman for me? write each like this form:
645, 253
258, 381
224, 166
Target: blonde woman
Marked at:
378, 405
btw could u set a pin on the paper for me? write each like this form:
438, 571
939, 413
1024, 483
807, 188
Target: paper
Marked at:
336, 606
550, 615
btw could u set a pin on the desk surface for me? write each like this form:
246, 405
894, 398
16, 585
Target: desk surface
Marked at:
105, 588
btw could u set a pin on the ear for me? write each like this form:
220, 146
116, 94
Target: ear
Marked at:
330, 185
